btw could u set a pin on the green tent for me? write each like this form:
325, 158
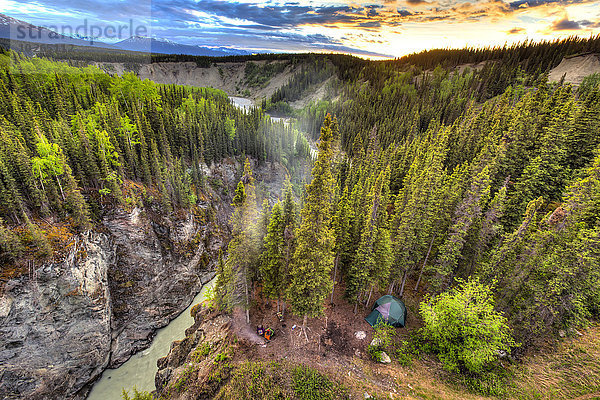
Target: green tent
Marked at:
390, 309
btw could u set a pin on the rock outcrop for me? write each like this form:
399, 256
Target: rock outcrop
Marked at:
161, 264
65, 321
56, 323
196, 366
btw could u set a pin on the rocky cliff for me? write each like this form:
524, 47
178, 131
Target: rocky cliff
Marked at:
65, 321
227, 76
198, 365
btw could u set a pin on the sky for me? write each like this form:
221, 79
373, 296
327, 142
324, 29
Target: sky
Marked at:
373, 29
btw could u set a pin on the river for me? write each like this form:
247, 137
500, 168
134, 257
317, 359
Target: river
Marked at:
140, 369
246, 104
242, 102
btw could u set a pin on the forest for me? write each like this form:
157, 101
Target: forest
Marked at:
484, 181
74, 139
427, 179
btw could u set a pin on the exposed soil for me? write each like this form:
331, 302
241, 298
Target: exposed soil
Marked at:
332, 346
575, 69
229, 77
331, 335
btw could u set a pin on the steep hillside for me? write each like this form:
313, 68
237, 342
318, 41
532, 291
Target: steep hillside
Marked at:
234, 78
113, 209
575, 69
103, 297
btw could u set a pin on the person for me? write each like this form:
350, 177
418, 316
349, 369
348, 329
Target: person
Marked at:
260, 331
269, 333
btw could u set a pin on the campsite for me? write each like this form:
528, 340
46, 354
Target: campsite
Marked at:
332, 345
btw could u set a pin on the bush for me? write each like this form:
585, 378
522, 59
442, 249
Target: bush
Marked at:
137, 395
464, 329
309, 384
493, 382
409, 349
383, 339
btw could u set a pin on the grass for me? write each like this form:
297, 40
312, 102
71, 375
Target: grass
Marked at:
309, 384
569, 372
274, 380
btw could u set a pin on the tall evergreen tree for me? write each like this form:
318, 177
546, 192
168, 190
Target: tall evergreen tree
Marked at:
313, 258
242, 249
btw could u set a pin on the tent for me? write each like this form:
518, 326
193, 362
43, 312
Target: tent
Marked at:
390, 309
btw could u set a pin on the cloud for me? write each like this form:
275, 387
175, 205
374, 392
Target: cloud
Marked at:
565, 24
292, 24
590, 24
370, 24
416, 2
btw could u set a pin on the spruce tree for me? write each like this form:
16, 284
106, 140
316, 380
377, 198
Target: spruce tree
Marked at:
224, 285
242, 249
272, 265
313, 258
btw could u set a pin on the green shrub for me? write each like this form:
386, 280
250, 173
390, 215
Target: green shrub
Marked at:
464, 329
384, 339
493, 382
137, 395
184, 379
223, 356
409, 349
201, 352
309, 384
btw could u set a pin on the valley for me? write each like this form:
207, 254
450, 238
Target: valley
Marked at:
464, 182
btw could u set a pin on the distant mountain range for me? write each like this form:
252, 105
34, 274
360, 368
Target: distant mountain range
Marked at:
12, 28
164, 46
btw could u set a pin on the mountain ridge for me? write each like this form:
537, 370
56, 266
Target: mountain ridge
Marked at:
14, 29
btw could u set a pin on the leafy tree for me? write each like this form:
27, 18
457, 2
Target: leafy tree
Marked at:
463, 327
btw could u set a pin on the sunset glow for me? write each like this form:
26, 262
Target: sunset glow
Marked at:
371, 29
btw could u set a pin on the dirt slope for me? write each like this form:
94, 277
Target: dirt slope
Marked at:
229, 77
574, 69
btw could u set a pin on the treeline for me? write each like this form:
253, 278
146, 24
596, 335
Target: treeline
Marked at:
310, 74
406, 103
96, 54
530, 55
71, 137
408, 93
259, 75
508, 193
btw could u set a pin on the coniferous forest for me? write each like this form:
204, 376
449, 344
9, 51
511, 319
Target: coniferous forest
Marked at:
432, 177
73, 137
476, 188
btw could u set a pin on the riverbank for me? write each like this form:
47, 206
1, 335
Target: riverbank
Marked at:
140, 370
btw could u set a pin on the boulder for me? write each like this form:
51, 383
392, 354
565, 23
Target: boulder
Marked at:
360, 335
384, 358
